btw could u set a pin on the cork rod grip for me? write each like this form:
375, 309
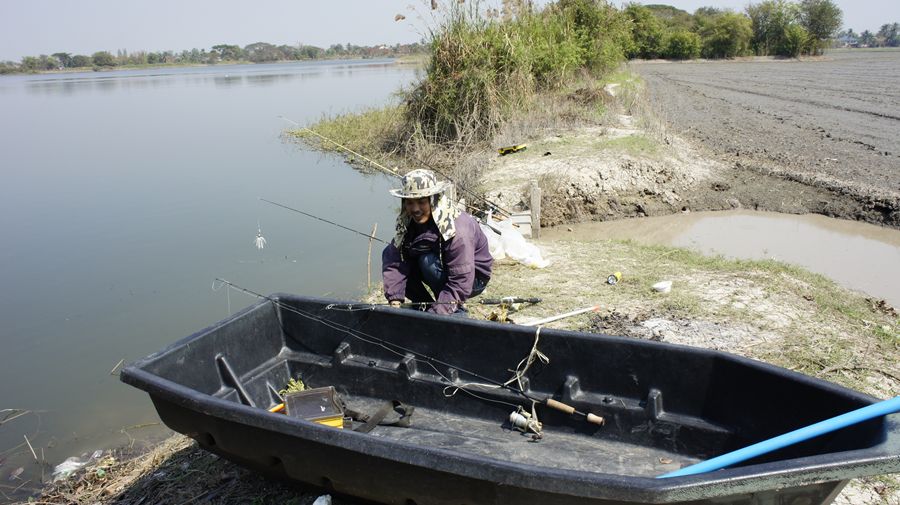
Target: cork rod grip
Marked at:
553, 404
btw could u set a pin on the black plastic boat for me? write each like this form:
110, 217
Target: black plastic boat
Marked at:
665, 407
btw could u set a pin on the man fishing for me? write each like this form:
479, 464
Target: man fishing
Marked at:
436, 245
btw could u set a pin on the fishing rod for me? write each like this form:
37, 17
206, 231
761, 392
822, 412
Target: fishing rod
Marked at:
394, 173
356, 307
508, 300
430, 360
367, 235
353, 307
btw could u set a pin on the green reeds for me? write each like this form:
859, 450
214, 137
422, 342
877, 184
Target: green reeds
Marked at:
484, 66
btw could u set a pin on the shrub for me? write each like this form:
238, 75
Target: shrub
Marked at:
482, 68
647, 33
796, 41
726, 35
683, 45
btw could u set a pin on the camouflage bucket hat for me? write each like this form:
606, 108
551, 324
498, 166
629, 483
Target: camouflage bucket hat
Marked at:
419, 183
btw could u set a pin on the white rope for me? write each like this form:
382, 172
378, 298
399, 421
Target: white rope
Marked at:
519, 372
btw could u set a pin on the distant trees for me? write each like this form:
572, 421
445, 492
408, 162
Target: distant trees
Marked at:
821, 19
103, 59
38, 63
226, 52
683, 45
259, 52
661, 31
80, 60
769, 22
724, 34
647, 33
889, 35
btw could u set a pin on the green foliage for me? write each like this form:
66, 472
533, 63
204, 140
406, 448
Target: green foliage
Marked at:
80, 60
293, 386
648, 34
821, 19
674, 19
40, 63
795, 42
601, 30
227, 52
725, 34
683, 45
65, 59
103, 59
867, 38
482, 68
889, 35
770, 21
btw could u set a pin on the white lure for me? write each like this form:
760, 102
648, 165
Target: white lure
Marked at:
259, 241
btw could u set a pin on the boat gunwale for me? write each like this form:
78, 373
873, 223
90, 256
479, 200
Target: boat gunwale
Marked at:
801, 471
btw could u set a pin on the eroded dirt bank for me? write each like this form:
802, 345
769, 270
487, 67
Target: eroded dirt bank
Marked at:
832, 124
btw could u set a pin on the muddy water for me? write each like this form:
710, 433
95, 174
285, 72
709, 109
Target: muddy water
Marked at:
859, 256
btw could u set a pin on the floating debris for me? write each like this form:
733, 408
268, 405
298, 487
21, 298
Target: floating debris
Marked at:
16, 473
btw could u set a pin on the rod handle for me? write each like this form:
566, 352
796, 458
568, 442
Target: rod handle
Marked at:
595, 419
553, 404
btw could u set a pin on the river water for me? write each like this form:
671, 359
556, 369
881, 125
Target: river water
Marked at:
126, 193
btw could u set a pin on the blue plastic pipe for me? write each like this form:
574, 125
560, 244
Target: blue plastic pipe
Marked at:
879, 409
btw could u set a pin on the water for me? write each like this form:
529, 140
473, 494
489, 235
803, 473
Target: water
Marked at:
125, 194
857, 255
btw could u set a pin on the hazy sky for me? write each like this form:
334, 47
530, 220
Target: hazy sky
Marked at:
33, 27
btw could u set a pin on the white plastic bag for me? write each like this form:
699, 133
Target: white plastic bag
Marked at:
494, 244
516, 247
325, 499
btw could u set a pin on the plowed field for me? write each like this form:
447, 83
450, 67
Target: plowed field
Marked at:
832, 123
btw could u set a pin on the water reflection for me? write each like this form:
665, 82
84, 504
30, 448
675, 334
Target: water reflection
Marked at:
220, 76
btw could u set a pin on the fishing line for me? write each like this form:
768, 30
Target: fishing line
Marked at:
323, 137
389, 346
367, 235
395, 174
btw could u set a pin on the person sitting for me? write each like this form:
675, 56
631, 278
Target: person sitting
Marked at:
436, 245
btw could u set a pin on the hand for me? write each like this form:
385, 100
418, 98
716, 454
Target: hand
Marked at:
395, 304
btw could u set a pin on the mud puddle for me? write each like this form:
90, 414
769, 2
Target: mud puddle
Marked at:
857, 255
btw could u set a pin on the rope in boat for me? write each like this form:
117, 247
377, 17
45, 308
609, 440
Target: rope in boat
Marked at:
428, 360
371, 339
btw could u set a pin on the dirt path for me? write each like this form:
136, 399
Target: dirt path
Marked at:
831, 124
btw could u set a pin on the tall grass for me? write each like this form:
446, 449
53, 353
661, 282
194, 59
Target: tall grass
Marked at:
485, 66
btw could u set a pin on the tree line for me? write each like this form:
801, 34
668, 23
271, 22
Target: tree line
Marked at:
887, 36
769, 28
259, 52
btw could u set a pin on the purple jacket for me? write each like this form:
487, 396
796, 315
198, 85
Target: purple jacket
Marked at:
463, 256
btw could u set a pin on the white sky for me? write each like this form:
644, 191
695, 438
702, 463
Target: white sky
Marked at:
33, 27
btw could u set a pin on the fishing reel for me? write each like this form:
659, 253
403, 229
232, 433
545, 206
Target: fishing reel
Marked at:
525, 422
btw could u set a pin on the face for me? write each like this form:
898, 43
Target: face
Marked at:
418, 208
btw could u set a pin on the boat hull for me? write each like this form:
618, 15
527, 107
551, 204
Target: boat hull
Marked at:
216, 385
